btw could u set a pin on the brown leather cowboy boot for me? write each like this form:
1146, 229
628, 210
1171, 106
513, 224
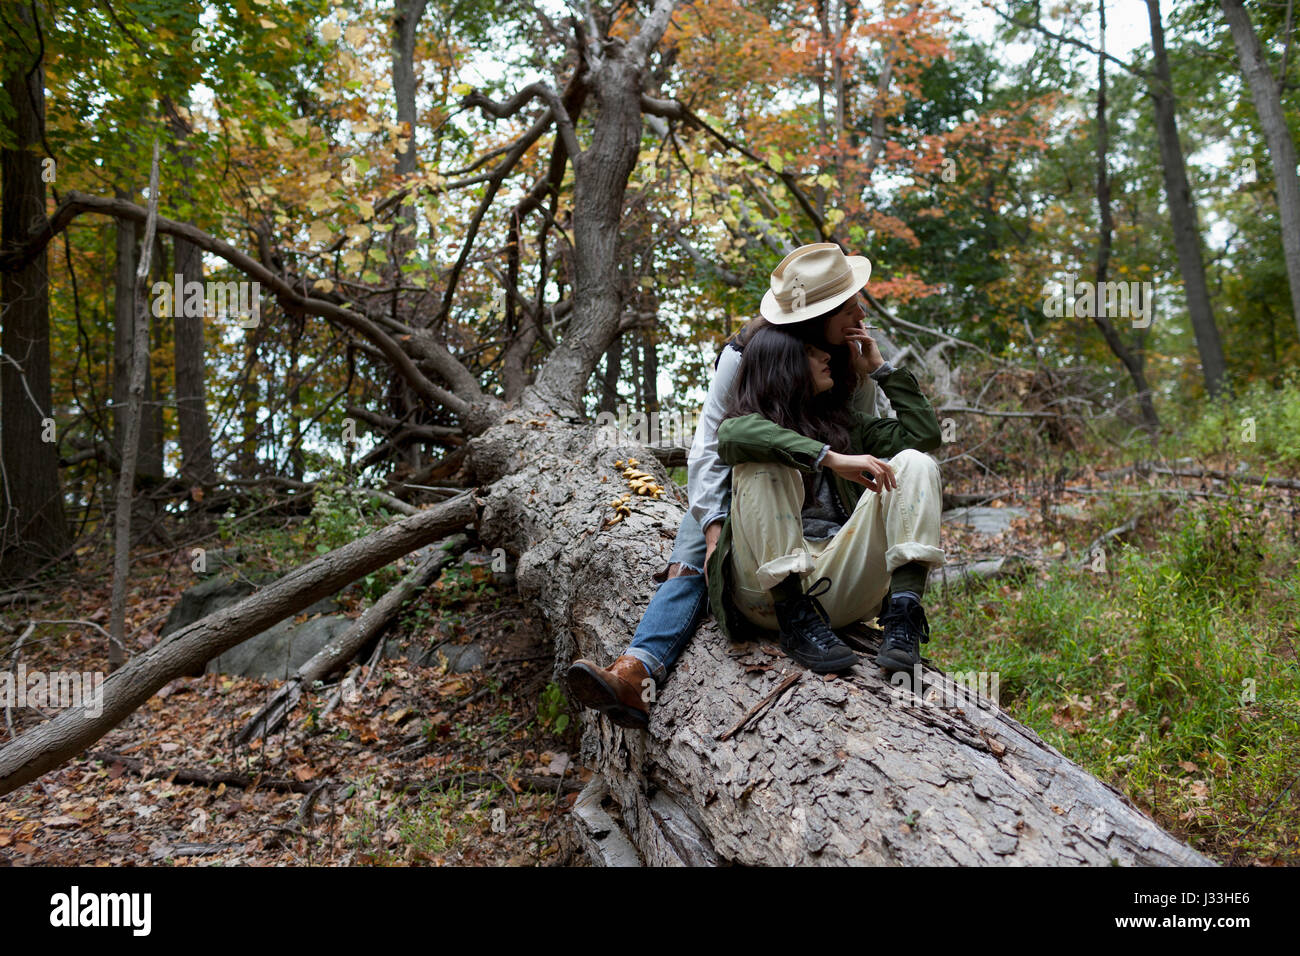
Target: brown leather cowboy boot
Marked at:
614, 691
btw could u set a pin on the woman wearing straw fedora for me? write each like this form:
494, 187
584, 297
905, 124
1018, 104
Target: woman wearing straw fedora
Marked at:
814, 303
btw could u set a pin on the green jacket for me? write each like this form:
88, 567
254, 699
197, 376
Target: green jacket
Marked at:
755, 438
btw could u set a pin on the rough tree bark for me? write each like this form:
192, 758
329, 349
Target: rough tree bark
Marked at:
32, 525
1182, 211
1133, 360
194, 431
1281, 147
837, 771
132, 425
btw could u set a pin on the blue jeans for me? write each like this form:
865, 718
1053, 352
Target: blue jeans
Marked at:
677, 607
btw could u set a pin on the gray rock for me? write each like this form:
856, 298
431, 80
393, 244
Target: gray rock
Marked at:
278, 652
460, 657
984, 520
463, 657
206, 598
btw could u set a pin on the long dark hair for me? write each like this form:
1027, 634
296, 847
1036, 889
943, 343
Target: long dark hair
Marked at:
813, 332
774, 381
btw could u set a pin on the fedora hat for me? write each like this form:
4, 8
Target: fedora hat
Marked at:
811, 281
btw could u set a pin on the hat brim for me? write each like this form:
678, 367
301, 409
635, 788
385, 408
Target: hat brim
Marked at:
772, 311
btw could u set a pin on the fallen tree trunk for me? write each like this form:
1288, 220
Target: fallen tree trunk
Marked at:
343, 648
1007, 565
64, 736
836, 771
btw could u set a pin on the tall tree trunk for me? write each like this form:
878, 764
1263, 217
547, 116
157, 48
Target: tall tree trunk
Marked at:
134, 425
406, 24
34, 528
649, 373
191, 388
194, 430
249, 401
124, 269
600, 175
151, 434
1182, 212
609, 381
1281, 147
1132, 359
123, 318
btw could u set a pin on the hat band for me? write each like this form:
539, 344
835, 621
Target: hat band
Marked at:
828, 288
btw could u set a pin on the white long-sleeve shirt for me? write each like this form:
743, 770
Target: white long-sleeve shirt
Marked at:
708, 477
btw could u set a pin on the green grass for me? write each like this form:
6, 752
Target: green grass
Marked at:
1173, 675
1259, 426
420, 827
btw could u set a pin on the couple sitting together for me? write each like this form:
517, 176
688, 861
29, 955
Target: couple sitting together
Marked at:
792, 479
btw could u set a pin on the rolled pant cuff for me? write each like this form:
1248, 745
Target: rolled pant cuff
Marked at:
908, 551
772, 573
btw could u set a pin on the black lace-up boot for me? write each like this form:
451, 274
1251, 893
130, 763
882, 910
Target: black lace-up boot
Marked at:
806, 634
905, 630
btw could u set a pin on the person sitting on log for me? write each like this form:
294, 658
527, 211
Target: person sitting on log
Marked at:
800, 458
624, 689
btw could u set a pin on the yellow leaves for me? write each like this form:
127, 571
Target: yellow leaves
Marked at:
324, 285
299, 126
358, 232
319, 202
352, 259
320, 232
775, 162
462, 89
265, 24
329, 32
366, 208
356, 35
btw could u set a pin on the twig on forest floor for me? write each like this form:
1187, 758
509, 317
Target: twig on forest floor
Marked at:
208, 778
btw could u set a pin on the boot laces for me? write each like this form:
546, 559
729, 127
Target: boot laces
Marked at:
809, 612
904, 623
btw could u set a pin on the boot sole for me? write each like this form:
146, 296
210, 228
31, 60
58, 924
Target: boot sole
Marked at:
824, 667
592, 692
893, 664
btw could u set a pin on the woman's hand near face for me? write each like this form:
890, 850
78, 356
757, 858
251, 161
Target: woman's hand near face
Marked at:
866, 470
864, 350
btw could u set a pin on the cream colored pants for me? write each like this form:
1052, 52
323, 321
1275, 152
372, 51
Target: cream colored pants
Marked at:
887, 529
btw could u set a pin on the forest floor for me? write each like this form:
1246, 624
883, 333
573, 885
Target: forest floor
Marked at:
1164, 663
424, 766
